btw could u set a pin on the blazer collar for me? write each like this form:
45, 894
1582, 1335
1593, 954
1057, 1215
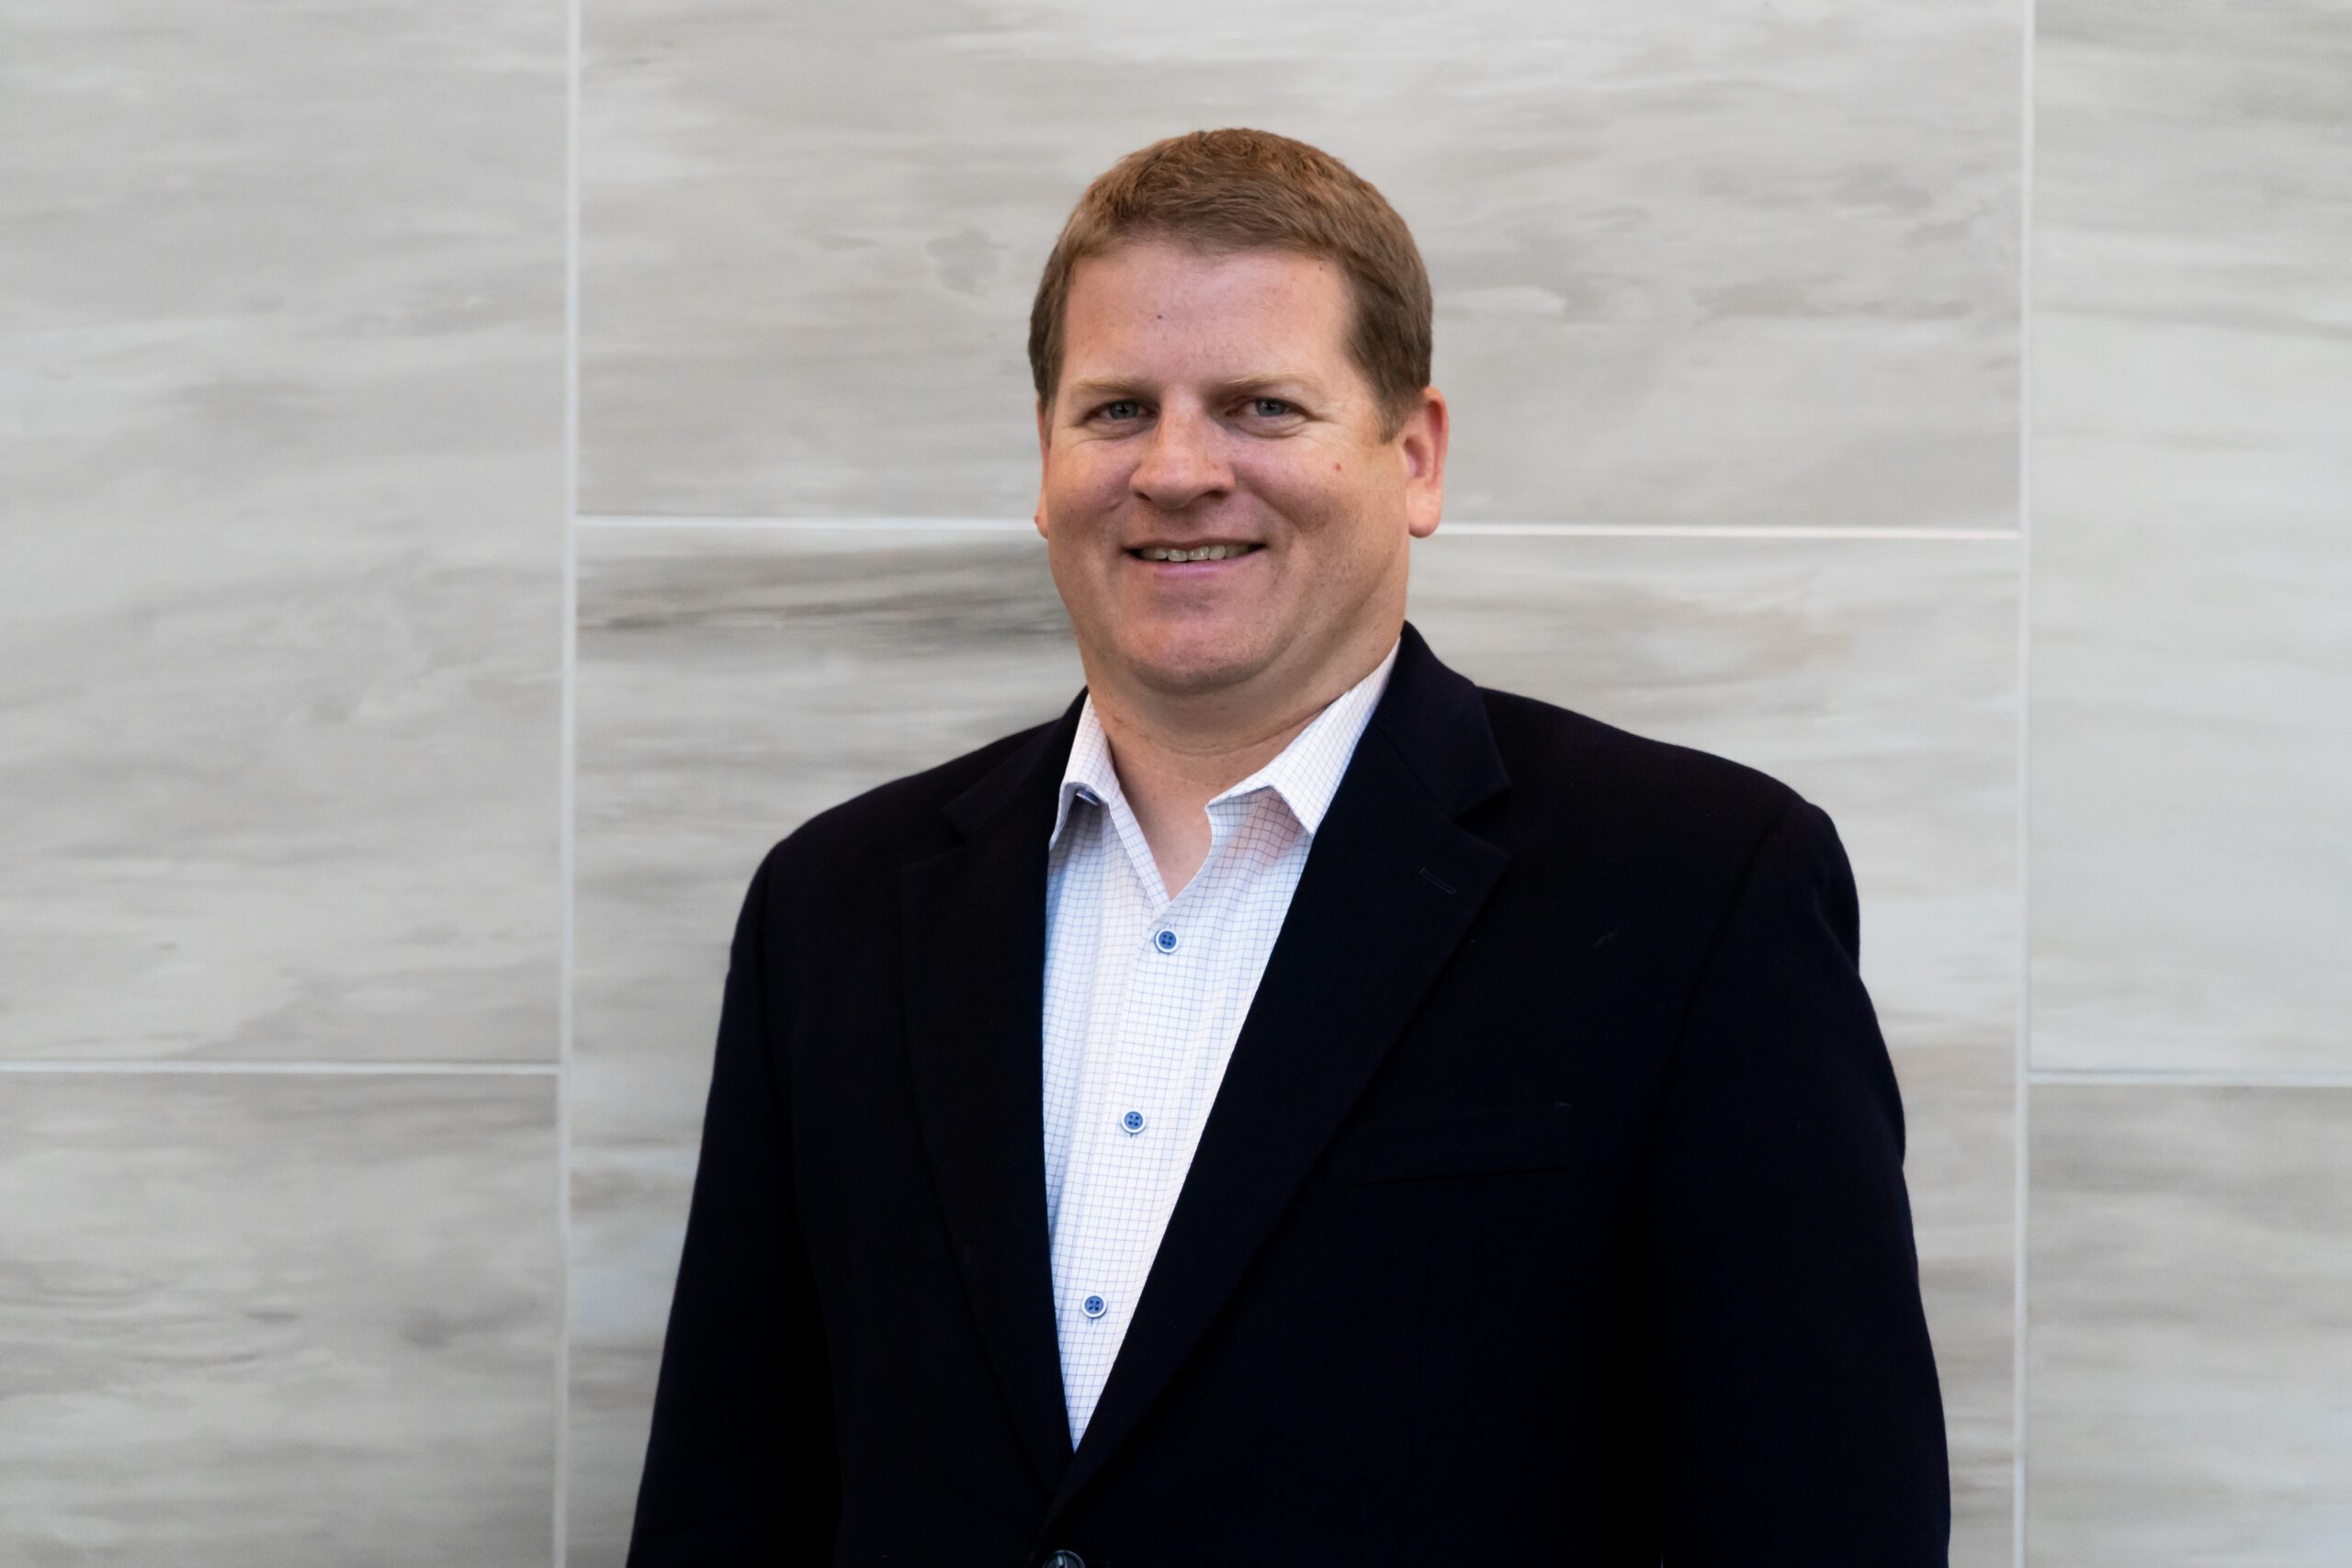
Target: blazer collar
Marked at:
1432, 715
1391, 885
1304, 773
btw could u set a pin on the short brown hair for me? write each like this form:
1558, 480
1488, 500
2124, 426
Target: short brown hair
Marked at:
1219, 192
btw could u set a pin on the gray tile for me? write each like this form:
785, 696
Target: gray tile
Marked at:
1731, 264
732, 684
2192, 723
2190, 1327
277, 1321
1879, 678
281, 540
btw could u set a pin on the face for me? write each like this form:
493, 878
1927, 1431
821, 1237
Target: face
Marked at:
1211, 402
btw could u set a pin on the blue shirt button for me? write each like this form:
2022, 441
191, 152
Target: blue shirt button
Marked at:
1131, 1121
1092, 1307
1165, 942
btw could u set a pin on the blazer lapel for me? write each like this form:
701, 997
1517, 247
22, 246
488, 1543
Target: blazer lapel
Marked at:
1390, 887
975, 930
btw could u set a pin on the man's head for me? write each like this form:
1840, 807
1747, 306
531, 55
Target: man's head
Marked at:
1231, 346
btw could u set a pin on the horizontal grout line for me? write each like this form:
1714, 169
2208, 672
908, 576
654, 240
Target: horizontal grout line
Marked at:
335, 1069
1578, 530
2189, 1078
1719, 530
968, 525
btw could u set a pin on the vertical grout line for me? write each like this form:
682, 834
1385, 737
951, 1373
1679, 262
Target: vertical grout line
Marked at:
559, 1545
2023, 1172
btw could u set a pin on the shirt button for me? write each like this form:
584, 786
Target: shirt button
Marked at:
1092, 1307
1131, 1121
1165, 941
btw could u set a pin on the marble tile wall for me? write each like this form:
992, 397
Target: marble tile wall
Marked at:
281, 534
2192, 480
282, 545
1719, 263
2190, 785
2190, 1380
1989, 492
276, 1320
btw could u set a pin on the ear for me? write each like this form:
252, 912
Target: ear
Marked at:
1420, 449
1045, 454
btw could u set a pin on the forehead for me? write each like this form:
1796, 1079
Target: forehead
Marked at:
1173, 302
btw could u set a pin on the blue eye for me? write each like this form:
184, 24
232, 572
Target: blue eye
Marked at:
1280, 407
1121, 403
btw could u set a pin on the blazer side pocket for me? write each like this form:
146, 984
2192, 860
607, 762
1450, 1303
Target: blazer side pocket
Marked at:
1453, 1142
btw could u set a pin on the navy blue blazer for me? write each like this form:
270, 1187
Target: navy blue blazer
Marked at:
1551, 1209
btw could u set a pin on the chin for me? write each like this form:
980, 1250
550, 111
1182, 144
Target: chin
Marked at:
1198, 659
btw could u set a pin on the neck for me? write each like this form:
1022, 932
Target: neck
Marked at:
1175, 755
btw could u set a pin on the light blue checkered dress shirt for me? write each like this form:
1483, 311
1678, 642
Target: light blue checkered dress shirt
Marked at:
1145, 995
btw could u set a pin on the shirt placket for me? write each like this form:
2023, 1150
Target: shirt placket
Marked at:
1146, 1105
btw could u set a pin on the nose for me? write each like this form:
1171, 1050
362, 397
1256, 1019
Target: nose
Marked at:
1182, 461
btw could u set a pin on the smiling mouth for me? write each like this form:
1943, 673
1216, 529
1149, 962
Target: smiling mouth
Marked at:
1205, 552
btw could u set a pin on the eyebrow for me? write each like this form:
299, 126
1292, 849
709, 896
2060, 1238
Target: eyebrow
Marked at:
1110, 387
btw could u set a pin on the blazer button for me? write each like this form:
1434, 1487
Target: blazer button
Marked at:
1065, 1559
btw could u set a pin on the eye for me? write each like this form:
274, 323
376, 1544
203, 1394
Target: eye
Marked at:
1117, 403
1269, 408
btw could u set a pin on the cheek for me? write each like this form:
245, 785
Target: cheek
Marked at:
1340, 514
1317, 491
1078, 480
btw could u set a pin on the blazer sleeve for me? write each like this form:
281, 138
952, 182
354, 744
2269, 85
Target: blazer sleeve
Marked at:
1802, 1419
741, 1466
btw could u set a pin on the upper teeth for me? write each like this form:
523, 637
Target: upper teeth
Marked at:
1207, 552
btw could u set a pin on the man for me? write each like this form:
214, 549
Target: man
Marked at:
1296, 1107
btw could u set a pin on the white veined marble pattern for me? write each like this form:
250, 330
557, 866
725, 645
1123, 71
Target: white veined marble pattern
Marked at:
277, 1320
2190, 1323
2191, 703
281, 532
1724, 263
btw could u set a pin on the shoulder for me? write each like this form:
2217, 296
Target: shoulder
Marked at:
1646, 824
1611, 796
1557, 751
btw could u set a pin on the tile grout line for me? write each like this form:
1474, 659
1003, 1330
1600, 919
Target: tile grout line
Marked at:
2022, 1155
200, 1066
559, 1500
197, 1066
757, 524
2189, 1078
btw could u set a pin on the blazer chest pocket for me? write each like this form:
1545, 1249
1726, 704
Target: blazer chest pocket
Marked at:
1453, 1142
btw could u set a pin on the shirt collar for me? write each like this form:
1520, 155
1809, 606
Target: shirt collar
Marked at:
1305, 773
1087, 774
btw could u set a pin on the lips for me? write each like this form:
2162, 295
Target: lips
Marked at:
1174, 555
